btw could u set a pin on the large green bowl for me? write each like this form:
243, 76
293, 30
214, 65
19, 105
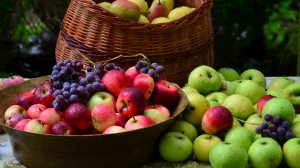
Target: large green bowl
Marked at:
130, 149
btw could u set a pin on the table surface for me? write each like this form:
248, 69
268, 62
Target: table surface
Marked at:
7, 160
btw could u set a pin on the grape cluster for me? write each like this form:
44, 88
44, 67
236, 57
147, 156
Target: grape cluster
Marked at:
275, 127
154, 69
74, 83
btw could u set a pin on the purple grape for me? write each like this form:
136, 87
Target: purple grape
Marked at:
285, 124
259, 130
281, 130
272, 127
159, 69
268, 117
277, 120
265, 125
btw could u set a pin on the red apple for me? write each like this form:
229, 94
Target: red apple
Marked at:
121, 120
14, 109
49, 116
78, 116
21, 124
43, 94
63, 128
131, 101
145, 83
262, 101
216, 119
34, 110
160, 108
103, 116
114, 129
115, 81
138, 122
25, 99
36, 126
131, 73
165, 93
14, 119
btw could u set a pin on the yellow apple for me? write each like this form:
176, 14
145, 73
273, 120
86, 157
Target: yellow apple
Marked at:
143, 19
180, 12
160, 20
239, 105
196, 107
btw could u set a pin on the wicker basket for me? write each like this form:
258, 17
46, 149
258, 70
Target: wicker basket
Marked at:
99, 35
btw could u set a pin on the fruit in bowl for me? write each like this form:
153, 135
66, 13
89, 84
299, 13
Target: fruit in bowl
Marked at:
68, 142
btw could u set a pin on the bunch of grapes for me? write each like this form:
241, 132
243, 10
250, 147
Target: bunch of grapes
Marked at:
75, 83
154, 69
275, 127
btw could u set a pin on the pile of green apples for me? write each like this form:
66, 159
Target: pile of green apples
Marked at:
218, 126
159, 11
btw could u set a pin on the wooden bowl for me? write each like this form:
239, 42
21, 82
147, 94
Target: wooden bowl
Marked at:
130, 149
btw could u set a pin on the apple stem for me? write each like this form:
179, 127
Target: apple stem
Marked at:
243, 121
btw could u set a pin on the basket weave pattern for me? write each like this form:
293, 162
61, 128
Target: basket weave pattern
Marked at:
99, 35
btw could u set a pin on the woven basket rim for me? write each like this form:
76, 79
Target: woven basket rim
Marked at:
116, 20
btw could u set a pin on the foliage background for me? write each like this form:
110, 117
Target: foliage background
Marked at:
248, 34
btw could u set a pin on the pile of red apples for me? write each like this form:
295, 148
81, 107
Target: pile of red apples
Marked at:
131, 101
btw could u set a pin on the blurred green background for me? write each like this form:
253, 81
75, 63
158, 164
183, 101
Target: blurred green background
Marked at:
247, 34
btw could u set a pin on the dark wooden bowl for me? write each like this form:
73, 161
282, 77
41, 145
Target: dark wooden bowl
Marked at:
129, 149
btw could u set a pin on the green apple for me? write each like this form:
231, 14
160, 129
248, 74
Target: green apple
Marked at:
297, 117
252, 122
229, 74
236, 123
255, 75
188, 89
280, 82
195, 109
239, 105
228, 87
275, 92
175, 147
292, 93
255, 108
226, 154
125, 9
203, 144
101, 97
296, 129
265, 152
216, 96
213, 103
155, 115
250, 89
205, 79
239, 135
238, 81
221, 76
185, 128
291, 152
280, 106
143, 5
257, 136
180, 12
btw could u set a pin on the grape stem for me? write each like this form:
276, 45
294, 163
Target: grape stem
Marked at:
243, 121
117, 57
